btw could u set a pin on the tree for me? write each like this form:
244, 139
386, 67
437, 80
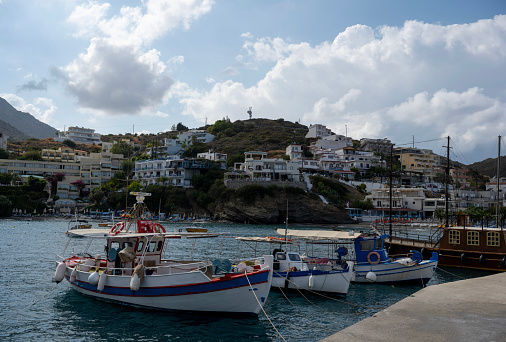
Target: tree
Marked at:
5, 206
36, 184
31, 155
69, 143
97, 195
122, 148
5, 178
128, 167
53, 180
4, 154
180, 127
134, 186
79, 184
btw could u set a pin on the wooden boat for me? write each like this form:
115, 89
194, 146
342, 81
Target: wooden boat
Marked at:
134, 272
459, 244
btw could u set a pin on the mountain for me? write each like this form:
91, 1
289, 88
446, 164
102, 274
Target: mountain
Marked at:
12, 132
23, 123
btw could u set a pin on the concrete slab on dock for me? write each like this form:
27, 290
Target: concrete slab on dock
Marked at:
466, 310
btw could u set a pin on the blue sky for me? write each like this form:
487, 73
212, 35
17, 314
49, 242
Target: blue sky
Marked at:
398, 69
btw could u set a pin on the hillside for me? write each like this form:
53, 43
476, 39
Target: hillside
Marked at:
488, 167
264, 135
23, 122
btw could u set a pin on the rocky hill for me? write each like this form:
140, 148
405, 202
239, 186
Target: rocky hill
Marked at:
488, 167
24, 124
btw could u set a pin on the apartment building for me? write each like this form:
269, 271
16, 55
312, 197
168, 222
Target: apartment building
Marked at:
376, 145
176, 171
419, 160
99, 168
62, 154
80, 135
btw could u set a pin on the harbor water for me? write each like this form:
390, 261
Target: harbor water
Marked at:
32, 308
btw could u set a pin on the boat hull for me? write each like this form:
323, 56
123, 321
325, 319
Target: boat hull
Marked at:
184, 292
334, 281
395, 272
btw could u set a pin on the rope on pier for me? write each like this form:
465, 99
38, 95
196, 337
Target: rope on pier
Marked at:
261, 307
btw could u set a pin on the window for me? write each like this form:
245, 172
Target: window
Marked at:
367, 245
294, 257
159, 247
473, 238
454, 237
493, 239
140, 246
152, 246
127, 244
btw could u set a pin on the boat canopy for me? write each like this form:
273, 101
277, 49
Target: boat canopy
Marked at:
318, 234
263, 239
104, 233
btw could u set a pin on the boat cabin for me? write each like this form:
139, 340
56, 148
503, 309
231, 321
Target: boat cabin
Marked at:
287, 261
371, 249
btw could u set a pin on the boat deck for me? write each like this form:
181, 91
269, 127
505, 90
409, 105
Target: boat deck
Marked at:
466, 310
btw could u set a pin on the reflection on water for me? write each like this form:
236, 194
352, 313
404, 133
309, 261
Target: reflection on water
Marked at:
30, 311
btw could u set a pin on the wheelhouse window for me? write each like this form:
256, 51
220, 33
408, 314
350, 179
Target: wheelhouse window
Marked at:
493, 239
473, 238
294, 257
151, 246
367, 245
140, 246
454, 237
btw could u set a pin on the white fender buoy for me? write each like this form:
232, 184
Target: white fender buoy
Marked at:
370, 276
135, 283
101, 282
137, 276
94, 278
73, 275
311, 281
59, 274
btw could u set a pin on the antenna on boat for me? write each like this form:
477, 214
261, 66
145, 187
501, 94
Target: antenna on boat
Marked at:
390, 193
286, 222
447, 179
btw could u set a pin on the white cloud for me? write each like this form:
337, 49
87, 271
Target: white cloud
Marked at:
119, 74
420, 79
42, 108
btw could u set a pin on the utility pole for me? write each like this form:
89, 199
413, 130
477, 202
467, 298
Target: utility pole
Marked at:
498, 206
447, 178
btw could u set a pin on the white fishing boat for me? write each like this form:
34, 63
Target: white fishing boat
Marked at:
373, 264
134, 271
370, 260
293, 271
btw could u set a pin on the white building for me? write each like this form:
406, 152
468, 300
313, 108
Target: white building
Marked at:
201, 136
318, 131
80, 135
295, 151
361, 160
211, 155
178, 171
332, 142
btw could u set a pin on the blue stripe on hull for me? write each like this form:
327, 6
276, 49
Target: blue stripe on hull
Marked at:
181, 290
278, 274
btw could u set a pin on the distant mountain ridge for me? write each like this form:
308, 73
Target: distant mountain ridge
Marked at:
19, 125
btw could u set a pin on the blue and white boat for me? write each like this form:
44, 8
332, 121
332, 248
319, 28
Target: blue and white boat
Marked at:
136, 271
373, 264
293, 271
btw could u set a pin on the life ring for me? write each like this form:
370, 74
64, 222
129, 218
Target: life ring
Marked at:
118, 227
378, 258
158, 228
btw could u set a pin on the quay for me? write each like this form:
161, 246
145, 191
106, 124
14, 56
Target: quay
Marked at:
465, 310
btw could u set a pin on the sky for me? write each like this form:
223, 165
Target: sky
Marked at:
414, 72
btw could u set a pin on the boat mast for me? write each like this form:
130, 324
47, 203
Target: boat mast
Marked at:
390, 193
498, 206
447, 179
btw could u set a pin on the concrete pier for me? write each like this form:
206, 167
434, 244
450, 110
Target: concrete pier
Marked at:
466, 310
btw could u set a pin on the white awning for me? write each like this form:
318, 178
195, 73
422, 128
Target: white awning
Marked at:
318, 234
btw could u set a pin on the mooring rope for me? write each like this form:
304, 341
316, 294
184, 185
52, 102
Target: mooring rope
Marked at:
28, 306
328, 297
261, 307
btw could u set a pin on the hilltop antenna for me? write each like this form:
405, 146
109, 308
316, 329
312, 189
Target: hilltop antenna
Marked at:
250, 112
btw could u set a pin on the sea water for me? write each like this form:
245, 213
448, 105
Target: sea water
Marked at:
32, 308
